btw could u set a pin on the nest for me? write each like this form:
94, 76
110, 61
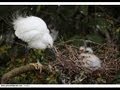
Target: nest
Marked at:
70, 69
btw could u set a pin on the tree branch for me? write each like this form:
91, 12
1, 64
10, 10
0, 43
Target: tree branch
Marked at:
17, 71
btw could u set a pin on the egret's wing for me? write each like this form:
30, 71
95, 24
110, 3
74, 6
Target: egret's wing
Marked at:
37, 44
30, 23
28, 35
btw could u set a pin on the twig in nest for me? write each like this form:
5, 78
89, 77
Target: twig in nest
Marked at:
17, 71
68, 41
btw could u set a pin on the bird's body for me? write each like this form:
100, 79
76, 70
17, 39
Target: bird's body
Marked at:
34, 31
89, 59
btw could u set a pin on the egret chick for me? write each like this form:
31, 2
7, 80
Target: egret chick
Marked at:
89, 50
33, 30
90, 61
82, 49
85, 49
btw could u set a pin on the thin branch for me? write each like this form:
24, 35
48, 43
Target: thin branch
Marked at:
68, 41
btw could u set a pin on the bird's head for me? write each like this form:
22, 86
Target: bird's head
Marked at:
86, 50
48, 41
82, 49
89, 50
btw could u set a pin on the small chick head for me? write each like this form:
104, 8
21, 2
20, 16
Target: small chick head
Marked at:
89, 50
82, 49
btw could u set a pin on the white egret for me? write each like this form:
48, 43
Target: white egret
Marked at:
33, 30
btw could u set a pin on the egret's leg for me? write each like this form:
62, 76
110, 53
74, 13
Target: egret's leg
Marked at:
38, 66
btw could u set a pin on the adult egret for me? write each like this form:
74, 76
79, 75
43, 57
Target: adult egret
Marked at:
33, 30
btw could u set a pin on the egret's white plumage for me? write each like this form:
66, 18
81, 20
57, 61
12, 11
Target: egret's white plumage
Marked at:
89, 50
34, 31
89, 60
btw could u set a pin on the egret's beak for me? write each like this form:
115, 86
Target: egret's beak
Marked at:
52, 52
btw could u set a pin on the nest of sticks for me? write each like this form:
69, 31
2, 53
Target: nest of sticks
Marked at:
70, 69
